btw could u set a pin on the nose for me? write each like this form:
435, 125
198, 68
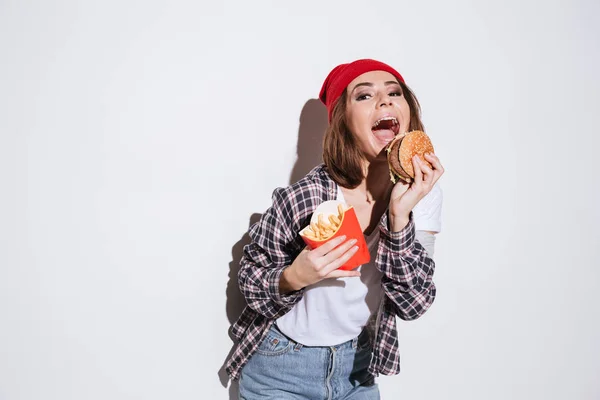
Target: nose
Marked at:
385, 100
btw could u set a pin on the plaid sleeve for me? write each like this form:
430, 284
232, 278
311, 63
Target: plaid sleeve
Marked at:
265, 258
407, 269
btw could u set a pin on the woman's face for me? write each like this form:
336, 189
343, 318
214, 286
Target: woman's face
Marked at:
376, 111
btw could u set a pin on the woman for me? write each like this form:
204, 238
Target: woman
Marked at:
310, 330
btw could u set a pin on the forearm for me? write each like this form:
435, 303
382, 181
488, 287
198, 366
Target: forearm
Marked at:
401, 257
409, 305
398, 223
408, 283
408, 270
261, 285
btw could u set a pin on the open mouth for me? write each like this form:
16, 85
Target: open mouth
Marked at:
386, 128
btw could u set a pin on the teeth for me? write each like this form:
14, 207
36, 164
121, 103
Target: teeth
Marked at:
385, 119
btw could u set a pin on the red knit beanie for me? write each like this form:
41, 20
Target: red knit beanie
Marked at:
339, 78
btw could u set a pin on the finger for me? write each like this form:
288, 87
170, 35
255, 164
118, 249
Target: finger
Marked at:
431, 157
427, 171
438, 169
399, 189
338, 262
417, 168
327, 247
338, 252
340, 273
435, 162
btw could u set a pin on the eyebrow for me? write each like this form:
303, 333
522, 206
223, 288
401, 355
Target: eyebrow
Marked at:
369, 84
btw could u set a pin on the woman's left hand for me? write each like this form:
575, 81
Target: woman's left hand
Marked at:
406, 196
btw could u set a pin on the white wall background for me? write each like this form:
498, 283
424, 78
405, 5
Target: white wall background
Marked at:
138, 139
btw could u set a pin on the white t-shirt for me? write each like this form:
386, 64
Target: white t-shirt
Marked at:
427, 213
334, 311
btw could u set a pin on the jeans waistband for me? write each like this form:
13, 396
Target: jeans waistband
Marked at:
353, 343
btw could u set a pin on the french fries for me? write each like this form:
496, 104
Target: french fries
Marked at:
324, 228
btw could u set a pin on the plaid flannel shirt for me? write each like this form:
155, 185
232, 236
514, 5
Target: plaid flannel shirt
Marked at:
407, 273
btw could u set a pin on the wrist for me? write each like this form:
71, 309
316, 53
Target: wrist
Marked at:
398, 221
289, 281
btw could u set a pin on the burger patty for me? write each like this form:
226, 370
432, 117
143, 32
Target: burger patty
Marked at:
394, 160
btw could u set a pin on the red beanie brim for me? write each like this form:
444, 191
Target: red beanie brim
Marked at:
341, 76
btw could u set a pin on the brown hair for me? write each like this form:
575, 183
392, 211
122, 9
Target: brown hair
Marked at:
341, 153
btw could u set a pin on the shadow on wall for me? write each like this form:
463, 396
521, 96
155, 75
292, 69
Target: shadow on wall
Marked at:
235, 301
313, 122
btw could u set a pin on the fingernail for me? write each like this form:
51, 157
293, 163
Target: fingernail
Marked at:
353, 241
355, 248
342, 238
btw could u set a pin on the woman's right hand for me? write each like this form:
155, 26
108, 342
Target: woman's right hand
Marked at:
312, 266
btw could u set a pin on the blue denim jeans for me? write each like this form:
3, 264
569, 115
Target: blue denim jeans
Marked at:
283, 369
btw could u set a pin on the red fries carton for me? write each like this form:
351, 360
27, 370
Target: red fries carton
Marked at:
333, 219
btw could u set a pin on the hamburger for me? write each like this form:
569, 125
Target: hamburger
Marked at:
402, 149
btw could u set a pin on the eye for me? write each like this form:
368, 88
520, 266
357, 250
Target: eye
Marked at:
361, 97
396, 94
